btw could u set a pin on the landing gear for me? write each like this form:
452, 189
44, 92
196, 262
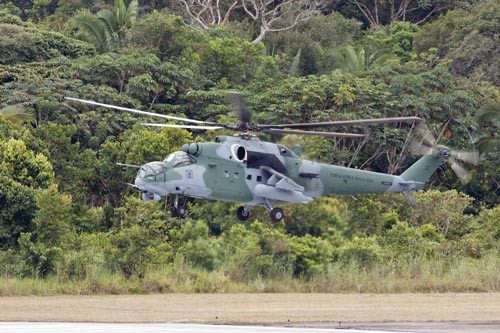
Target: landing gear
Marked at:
179, 212
243, 213
179, 206
276, 214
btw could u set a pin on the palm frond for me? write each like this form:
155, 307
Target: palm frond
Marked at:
132, 11
121, 12
349, 60
109, 19
488, 144
489, 113
94, 31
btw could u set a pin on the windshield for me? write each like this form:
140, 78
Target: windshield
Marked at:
152, 169
179, 159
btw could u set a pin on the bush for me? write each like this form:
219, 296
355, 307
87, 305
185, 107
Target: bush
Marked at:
37, 260
310, 255
404, 242
321, 217
194, 245
360, 252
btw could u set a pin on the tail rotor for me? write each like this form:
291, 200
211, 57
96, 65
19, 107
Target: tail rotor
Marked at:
423, 142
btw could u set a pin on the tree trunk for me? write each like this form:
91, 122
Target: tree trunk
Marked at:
261, 35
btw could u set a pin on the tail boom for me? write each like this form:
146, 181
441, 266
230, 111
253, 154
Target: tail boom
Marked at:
337, 180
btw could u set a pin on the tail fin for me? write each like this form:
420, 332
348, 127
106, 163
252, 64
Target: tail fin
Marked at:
423, 169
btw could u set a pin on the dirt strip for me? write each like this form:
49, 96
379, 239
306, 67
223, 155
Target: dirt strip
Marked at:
255, 308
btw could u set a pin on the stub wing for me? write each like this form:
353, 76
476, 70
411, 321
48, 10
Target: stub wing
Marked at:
279, 187
280, 181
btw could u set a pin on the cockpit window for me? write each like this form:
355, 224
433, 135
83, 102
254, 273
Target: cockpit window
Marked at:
179, 159
142, 172
151, 170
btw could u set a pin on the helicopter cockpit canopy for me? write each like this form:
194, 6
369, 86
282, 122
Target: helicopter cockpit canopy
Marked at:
178, 159
152, 169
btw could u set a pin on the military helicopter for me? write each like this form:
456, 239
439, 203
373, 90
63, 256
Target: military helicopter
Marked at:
246, 170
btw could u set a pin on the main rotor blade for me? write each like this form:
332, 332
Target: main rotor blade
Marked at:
237, 100
137, 111
327, 134
129, 165
202, 127
374, 121
471, 157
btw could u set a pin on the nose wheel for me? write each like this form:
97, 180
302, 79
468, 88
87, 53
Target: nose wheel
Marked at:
243, 213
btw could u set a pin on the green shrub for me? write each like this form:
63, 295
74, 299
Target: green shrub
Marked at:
311, 255
360, 252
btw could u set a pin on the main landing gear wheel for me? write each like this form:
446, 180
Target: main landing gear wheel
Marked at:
179, 207
242, 213
179, 211
277, 214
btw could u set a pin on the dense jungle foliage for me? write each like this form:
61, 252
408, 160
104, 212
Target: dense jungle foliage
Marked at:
70, 224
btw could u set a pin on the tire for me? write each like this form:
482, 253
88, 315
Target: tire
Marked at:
174, 212
179, 211
241, 214
276, 214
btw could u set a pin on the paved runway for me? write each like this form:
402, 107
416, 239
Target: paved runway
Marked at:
22, 327
374, 327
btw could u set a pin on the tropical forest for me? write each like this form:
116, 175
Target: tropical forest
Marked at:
71, 224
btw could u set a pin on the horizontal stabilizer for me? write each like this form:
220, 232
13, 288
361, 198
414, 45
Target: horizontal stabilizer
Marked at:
408, 183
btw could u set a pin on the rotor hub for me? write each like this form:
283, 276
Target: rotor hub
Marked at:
245, 135
445, 152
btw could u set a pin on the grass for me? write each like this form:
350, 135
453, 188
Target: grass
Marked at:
428, 276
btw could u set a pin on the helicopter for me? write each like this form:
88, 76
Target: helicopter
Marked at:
243, 169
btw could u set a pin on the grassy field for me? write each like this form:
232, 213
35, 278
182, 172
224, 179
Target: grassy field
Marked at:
255, 308
460, 275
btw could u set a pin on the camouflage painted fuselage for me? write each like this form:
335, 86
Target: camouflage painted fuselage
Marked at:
255, 172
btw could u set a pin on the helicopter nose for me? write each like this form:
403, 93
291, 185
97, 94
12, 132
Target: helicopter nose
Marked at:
148, 176
139, 183
156, 177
